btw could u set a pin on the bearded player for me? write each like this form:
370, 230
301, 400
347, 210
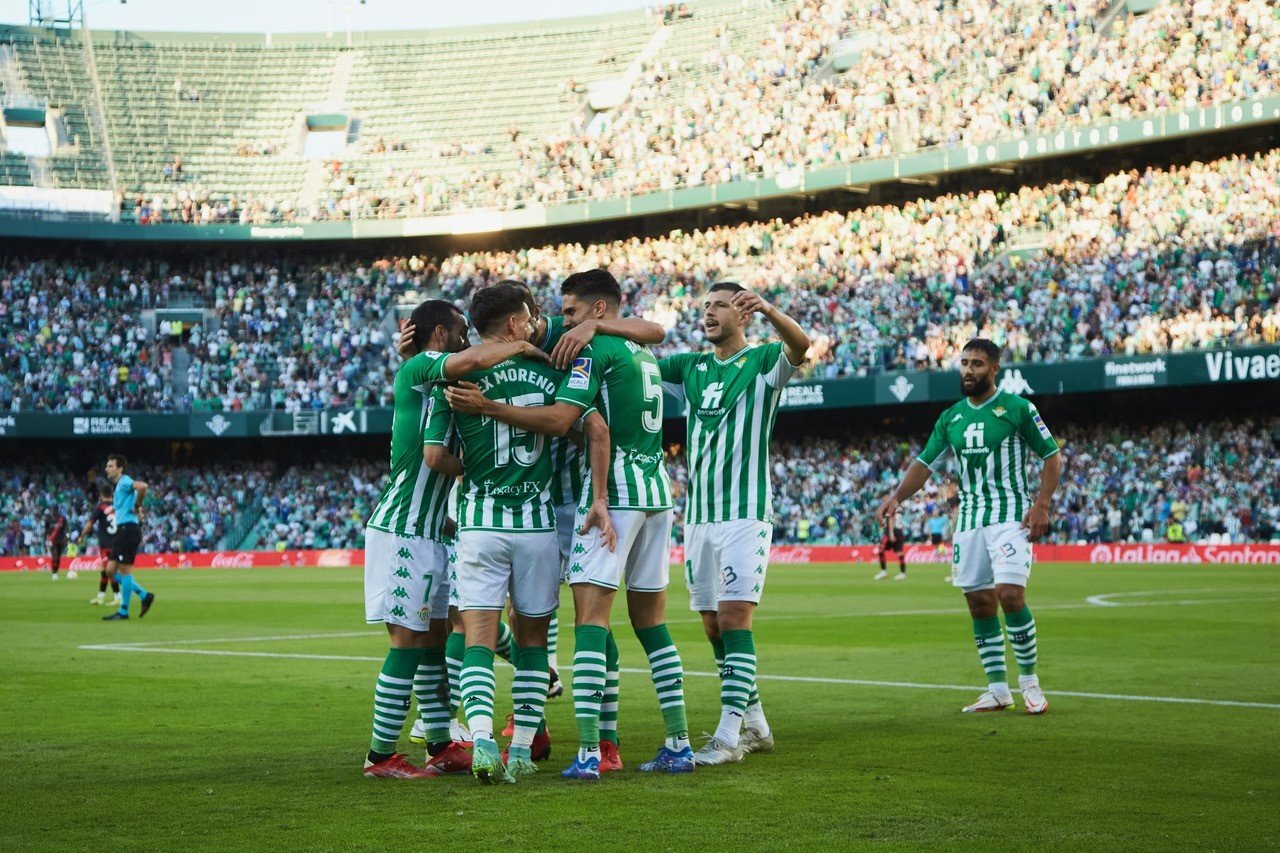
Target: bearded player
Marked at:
733, 393
991, 433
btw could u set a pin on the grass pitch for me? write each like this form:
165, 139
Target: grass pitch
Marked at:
212, 742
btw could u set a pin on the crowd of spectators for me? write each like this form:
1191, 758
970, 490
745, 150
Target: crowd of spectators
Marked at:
1164, 259
762, 100
1216, 481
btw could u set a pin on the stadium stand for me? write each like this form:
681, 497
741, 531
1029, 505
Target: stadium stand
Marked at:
211, 128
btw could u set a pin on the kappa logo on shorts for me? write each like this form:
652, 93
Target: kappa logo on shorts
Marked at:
755, 588
760, 534
576, 568
580, 374
400, 593
399, 611
579, 548
402, 572
404, 553
760, 551
759, 570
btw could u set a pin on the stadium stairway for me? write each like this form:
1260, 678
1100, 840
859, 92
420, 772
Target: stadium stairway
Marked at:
181, 364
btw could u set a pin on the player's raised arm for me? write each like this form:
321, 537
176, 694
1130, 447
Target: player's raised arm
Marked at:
633, 329
794, 339
487, 355
556, 419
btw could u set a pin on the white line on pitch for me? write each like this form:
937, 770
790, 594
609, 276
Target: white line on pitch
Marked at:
853, 682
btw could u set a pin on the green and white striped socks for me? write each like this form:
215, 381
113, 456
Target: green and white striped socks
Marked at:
432, 694
477, 691
391, 699
609, 706
589, 682
529, 693
668, 679
506, 644
737, 680
553, 640
990, 640
1021, 627
454, 648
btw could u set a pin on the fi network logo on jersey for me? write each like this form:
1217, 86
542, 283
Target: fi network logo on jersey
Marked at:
580, 374
975, 438
901, 388
218, 424
711, 395
1013, 382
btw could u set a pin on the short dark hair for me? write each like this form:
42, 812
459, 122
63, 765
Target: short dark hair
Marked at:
731, 286
104, 490
528, 293
492, 305
427, 316
984, 346
593, 285
119, 459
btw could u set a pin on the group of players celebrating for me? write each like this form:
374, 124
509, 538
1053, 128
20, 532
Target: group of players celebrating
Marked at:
551, 428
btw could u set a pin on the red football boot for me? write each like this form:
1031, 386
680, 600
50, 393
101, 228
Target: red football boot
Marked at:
454, 759
511, 726
397, 767
609, 758
540, 750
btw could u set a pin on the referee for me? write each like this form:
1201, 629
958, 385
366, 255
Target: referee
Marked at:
124, 550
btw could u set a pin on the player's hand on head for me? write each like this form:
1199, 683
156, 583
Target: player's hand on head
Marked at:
465, 397
404, 345
748, 302
571, 343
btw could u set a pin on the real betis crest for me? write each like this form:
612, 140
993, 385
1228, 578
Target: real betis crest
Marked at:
999, 411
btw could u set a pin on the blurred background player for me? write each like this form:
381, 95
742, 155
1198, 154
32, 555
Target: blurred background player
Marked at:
892, 540
733, 393
991, 432
55, 535
103, 517
128, 537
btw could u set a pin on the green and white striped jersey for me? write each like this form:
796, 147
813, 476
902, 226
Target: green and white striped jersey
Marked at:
567, 458
732, 407
622, 380
506, 480
990, 444
415, 498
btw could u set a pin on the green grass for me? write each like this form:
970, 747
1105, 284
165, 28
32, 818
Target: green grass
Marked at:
115, 750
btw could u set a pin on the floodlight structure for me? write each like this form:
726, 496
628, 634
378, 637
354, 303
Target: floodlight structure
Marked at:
48, 14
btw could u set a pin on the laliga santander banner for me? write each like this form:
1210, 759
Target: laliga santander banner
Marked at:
1100, 554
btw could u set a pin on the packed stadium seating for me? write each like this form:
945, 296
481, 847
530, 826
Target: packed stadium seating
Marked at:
210, 128
1167, 259
1120, 484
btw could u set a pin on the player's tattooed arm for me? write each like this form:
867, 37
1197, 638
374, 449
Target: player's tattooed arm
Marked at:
632, 329
913, 481
794, 339
1036, 521
597, 434
556, 419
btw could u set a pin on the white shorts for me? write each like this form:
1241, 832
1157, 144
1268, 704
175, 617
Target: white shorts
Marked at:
406, 580
566, 514
986, 556
492, 565
451, 549
641, 557
726, 561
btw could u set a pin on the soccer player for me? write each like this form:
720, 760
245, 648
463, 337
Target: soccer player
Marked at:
103, 517
124, 545
892, 540
406, 566
506, 534
991, 434
732, 393
55, 534
622, 379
